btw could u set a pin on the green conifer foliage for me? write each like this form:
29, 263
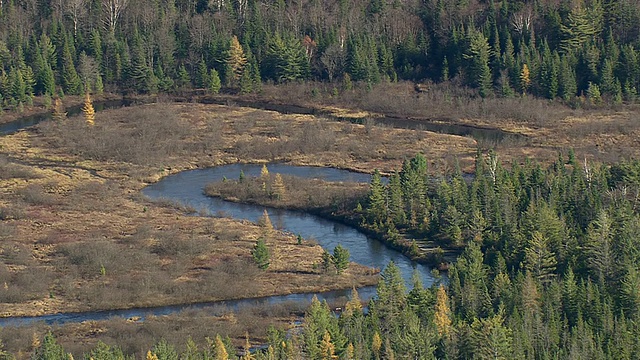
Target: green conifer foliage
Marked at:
261, 254
478, 57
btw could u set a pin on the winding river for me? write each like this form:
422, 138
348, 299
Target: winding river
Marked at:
187, 188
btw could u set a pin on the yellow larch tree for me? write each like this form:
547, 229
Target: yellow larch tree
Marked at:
442, 316
376, 345
87, 109
327, 349
221, 351
236, 59
354, 305
265, 222
58, 110
151, 356
264, 176
247, 347
277, 188
350, 353
525, 78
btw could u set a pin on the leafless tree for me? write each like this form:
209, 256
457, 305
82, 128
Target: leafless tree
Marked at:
113, 9
88, 69
333, 60
76, 10
521, 21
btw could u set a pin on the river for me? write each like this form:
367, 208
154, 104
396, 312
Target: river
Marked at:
187, 188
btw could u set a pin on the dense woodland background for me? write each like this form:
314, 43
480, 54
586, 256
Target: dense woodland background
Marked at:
550, 48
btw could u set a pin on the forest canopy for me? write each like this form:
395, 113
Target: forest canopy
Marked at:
552, 49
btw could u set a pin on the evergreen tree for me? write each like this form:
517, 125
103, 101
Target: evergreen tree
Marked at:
491, 339
49, 349
214, 82
261, 254
377, 203
71, 82
202, 75
525, 78
478, 57
539, 259
340, 259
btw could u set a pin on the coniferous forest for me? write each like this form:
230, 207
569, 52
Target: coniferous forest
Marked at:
549, 48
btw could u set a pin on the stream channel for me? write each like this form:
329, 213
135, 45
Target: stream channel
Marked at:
187, 188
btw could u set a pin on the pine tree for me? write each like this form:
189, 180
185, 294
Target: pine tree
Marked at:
87, 109
49, 349
567, 80
491, 339
183, 81
376, 210
548, 76
593, 94
202, 78
246, 82
607, 78
18, 87
47, 80
261, 254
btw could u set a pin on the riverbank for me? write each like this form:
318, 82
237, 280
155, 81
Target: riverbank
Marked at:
336, 201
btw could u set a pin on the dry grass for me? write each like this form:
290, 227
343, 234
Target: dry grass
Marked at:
92, 242
298, 193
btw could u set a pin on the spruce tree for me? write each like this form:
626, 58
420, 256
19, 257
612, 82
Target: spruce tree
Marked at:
478, 57
214, 82
261, 254
340, 259
71, 82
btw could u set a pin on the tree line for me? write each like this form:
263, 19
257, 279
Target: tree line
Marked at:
554, 49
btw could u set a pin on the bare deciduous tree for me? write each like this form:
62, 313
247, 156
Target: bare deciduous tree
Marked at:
76, 10
113, 9
333, 60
